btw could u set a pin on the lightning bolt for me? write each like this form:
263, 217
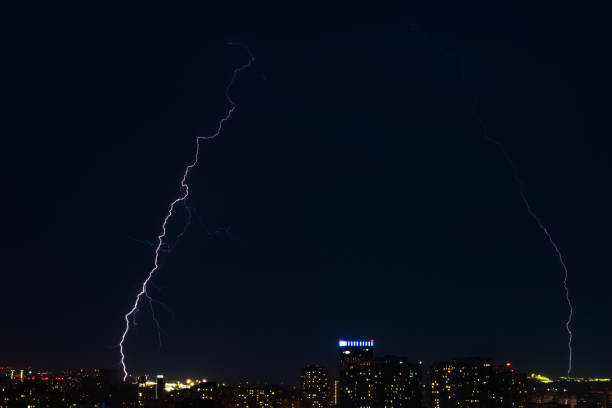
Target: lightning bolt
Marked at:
181, 199
154, 317
542, 227
167, 248
164, 248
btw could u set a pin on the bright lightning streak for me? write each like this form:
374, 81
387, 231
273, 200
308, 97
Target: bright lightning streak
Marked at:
164, 248
544, 229
167, 249
180, 199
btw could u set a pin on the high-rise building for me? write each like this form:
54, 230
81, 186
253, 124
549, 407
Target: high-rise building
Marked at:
356, 374
160, 387
397, 383
461, 383
476, 383
508, 387
335, 393
315, 387
145, 393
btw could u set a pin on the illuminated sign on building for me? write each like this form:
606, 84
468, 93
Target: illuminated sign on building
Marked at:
356, 343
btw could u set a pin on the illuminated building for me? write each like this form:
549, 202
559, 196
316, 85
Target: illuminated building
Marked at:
508, 388
356, 373
335, 397
397, 383
248, 395
476, 382
315, 387
461, 383
206, 390
146, 389
159, 387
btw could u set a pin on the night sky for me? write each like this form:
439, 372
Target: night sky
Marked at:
360, 197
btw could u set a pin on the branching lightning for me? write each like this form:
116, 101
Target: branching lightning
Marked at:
159, 338
184, 188
167, 248
164, 248
544, 229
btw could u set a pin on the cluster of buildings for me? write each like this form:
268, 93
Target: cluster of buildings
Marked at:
368, 381
30, 388
572, 392
364, 380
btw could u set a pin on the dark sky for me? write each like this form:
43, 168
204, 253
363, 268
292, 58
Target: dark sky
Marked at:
361, 198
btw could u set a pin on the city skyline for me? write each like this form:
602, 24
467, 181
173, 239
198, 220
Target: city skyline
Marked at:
434, 177
366, 379
332, 370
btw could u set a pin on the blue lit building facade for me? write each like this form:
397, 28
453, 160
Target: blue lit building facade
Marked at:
368, 381
357, 374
